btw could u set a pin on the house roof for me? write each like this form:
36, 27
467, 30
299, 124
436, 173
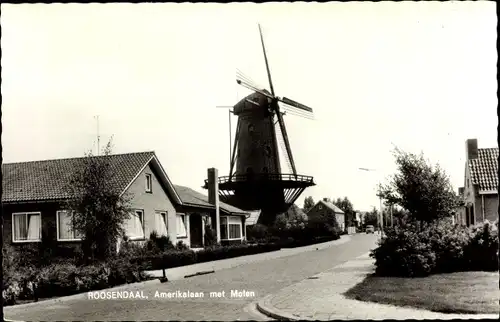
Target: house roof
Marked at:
253, 218
330, 205
197, 199
484, 170
46, 180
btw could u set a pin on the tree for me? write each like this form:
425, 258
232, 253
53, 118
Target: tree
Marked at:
372, 218
294, 216
421, 188
347, 207
308, 204
98, 206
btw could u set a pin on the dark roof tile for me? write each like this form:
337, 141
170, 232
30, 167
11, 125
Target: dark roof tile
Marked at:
46, 180
484, 169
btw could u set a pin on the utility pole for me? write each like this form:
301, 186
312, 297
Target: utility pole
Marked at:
381, 215
392, 221
381, 211
230, 133
98, 137
1, 269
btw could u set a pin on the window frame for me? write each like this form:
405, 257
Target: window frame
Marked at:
142, 225
26, 213
182, 215
228, 222
57, 227
163, 213
150, 178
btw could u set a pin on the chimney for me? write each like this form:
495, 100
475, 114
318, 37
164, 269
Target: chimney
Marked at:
213, 196
471, 149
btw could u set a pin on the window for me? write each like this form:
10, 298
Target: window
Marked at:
230, 228
65, 229
27, 227
223, 228
181, 225
135, 225
148, 183
161, 223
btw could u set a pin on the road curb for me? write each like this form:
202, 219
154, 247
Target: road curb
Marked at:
265, 307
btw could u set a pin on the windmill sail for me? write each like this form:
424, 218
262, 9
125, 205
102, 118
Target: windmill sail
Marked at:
283, 155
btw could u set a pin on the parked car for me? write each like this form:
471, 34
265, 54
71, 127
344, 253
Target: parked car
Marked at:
370, 229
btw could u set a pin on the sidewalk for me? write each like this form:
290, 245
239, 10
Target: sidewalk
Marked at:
320, 298
177, 273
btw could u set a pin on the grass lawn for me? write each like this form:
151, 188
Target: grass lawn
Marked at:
462, 292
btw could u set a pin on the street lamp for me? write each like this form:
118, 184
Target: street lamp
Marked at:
381, 220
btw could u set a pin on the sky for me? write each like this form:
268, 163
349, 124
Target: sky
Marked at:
417, 75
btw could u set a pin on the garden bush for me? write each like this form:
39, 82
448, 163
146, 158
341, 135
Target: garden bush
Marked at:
420, 249
257, 232
157, 244
176, 258
481, 253
61, 279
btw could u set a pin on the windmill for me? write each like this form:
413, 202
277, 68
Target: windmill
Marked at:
256, 180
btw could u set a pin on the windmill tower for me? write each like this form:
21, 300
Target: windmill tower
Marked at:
256, 180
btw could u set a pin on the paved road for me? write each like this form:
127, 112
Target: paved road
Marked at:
261, 278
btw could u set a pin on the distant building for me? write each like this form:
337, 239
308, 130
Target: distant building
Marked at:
326, 208
479, 195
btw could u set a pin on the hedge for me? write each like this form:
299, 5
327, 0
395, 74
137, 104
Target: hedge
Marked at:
176, 258
422, 249
61, 279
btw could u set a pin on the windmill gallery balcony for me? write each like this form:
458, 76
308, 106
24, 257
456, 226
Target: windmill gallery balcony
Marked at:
292, 185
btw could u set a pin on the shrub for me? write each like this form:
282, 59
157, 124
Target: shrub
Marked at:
181, 246
404, 252
448, 242
481, 252
176, 258
61, 279
157, 244
123, 271
131, 249
257, 232
420, 249
56, 280
92, 277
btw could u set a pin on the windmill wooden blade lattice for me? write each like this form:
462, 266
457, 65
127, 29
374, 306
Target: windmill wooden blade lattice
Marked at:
295, 104
282, 145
